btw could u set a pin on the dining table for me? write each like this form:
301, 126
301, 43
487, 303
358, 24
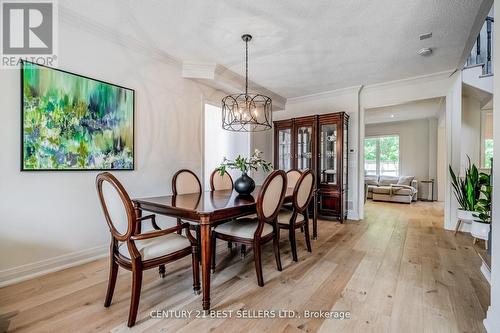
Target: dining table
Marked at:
208, 209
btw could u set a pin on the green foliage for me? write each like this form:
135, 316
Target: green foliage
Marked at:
371, 149
468, 190
245, 164
389, 148
488, 152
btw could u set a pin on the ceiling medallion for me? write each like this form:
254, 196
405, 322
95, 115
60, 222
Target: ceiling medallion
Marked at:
246, 112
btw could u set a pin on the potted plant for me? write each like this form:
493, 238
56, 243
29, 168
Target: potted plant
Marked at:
480, 227
244, 184
467, 190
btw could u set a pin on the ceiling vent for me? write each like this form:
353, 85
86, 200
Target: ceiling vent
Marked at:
425, 36
425, 52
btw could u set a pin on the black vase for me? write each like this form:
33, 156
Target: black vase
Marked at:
244, 185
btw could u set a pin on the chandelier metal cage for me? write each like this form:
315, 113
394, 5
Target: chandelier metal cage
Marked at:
246, 112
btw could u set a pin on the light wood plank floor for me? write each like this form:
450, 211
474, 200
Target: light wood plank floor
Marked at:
396, 271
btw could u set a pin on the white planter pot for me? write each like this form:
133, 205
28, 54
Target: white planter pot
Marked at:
480, 230
466, 216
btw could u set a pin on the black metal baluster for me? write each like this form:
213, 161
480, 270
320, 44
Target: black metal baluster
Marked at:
489, 21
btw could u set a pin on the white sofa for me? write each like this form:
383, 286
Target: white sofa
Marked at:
393, 189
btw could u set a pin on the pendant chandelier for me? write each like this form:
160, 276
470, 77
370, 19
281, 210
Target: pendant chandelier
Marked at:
246, 112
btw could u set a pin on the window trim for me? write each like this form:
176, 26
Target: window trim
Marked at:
377, 168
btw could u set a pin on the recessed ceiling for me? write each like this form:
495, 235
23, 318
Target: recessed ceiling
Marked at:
299, 47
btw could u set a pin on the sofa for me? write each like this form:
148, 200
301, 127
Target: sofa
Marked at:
392, 189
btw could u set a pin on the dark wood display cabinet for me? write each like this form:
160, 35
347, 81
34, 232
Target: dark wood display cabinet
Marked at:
318, 143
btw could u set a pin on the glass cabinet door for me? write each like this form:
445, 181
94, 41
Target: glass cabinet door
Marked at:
284, 149
328, 154
304, 147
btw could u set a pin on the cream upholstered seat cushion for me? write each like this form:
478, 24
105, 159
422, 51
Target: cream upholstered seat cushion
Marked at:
394, 190
156, 247
243, 228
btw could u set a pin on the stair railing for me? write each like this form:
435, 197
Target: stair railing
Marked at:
481, 53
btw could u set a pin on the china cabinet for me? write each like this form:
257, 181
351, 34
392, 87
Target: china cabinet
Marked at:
318, 143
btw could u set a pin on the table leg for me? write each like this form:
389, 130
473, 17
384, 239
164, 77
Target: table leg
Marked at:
206, 253
315, 215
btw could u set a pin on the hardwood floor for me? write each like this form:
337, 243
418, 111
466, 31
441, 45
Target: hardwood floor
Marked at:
396, 271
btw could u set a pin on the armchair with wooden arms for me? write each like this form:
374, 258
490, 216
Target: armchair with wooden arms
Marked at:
134, 250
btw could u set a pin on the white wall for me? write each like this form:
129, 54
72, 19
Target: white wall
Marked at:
471, 132
45, 215
417, 147
219, 143
442, 167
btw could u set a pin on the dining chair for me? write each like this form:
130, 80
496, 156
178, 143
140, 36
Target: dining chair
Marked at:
218, 182
289, 220
292, 177
137, 251
185, 181
257, 231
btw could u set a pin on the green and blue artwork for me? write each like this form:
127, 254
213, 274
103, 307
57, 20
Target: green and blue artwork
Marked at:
71, 122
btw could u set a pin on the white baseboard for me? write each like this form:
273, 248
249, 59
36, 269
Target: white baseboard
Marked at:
32, 270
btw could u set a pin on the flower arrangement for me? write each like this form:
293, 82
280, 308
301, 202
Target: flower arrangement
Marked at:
244, 164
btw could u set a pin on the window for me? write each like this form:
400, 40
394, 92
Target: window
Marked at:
382, 155
486, 138
220, 143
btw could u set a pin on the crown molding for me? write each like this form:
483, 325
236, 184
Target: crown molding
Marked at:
76, 20
198, 70
324, 94
444, 75
223, 79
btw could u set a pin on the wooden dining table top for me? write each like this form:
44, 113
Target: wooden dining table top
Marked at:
208, 209
216, 204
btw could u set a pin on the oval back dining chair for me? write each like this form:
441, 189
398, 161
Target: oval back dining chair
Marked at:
136, 251
302, 195
185, 181
218, 182
257, 231
292, 177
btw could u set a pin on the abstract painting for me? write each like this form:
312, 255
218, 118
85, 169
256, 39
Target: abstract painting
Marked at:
72, 122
